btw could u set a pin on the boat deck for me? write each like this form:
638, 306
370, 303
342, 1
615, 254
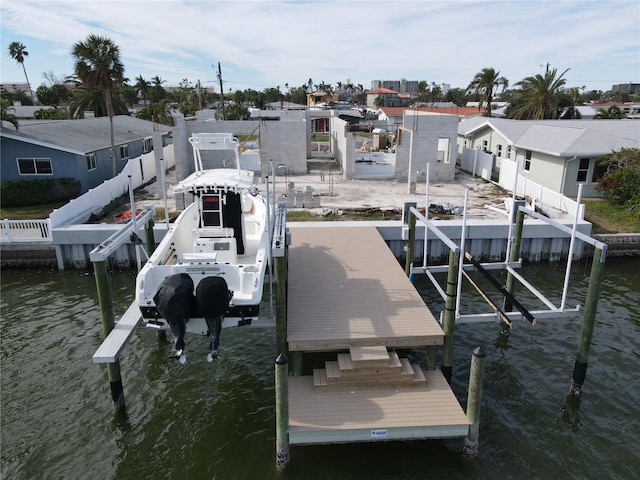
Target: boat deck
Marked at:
346, 289
347, 292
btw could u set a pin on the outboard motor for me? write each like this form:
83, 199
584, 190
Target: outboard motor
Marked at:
212, 299
175, 302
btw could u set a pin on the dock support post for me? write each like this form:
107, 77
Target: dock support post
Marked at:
432, 352
474, 400
450, 315
149, 238
515, 253
410, 244
106, 311
280, 273
282, 411
588, 321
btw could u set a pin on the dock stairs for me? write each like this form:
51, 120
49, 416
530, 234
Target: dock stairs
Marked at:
368, 367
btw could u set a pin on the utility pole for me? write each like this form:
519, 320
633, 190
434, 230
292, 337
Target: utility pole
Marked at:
221, 89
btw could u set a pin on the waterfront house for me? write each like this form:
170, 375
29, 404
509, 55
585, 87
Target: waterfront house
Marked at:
557, 154
79, 149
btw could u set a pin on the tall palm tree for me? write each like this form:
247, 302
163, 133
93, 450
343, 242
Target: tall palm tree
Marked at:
5, 116
613, 112
542, 96
98, 66
18, 51
157, 92
484, 84
571, 111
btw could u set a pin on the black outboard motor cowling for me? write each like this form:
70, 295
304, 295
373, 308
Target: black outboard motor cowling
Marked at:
213, 295
175, 303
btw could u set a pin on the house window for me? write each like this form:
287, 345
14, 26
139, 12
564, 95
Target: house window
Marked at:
34, 166
583, 170
124, 152
91, 161
443, 150
508, 151
485, 146
499, 147
527, 161
146, 145
598, 172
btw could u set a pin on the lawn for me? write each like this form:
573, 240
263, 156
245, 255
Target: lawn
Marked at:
608, 218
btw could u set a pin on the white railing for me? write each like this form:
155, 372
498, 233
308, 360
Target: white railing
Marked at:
25, 231
78, 210
543, 196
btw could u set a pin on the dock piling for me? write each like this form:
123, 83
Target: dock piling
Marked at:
106, 312
474, 400
411, 220
282, 411
588, 321
450, 315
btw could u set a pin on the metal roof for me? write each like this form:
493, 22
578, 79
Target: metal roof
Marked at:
83, 136
562, 138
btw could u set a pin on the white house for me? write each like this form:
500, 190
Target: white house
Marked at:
557, 154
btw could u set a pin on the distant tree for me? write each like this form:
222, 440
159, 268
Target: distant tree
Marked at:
457, 96
6, 115
239, 97
237, 112
57, 94
157, 91
611, 113
620, 183
53, 113
142, 86
98, 66
541, 97
574, 100
18, 51
379, 101
156, 113
422, 91
128, 94
484, 83
92, 99
298, 95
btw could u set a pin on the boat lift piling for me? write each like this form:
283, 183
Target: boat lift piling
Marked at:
119, 332
474, 400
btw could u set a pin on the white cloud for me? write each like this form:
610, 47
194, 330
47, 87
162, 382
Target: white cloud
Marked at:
269, 43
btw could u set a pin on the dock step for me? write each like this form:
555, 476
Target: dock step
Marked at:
370, 368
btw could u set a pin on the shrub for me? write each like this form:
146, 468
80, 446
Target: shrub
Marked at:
22, 193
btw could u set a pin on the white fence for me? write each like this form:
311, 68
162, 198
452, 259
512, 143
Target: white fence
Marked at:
25, 231
142, 169
477, 162
550, 201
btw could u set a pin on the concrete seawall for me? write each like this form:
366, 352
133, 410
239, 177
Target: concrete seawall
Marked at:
485, 240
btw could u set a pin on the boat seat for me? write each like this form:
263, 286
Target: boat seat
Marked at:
213, 232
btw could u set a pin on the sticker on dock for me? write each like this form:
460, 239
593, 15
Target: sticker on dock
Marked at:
378, 433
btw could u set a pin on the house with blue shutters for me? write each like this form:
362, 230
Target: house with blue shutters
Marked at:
78, 149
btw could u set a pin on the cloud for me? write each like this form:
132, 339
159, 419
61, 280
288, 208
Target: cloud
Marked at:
269, 43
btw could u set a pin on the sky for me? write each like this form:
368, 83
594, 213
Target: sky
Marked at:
262, 44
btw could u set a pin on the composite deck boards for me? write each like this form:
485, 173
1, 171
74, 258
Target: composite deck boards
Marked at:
346, 289
373, 414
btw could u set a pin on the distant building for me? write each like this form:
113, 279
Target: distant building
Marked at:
14, 87
409, 87
626, 87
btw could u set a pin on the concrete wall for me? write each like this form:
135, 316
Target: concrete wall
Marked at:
427, 130
283, 141
343, 146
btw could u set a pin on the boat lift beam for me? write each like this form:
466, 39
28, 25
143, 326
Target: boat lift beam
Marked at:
501, 288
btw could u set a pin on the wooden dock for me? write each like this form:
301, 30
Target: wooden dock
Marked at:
348, 294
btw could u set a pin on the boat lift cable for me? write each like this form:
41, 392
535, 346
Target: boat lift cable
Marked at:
501, 288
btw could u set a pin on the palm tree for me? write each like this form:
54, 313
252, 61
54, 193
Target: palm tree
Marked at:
484, 84
541, 97
98, 66
5, 116
18, 51
613, 112
571, 111
157, 92
142, 87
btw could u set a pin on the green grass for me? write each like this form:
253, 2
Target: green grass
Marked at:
35, 212
609, 218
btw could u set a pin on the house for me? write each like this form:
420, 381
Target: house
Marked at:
393, 116
79, 149
557, 154
388, 98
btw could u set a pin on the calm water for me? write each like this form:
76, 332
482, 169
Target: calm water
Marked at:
216, 421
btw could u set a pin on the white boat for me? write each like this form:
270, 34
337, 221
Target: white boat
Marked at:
223, 233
